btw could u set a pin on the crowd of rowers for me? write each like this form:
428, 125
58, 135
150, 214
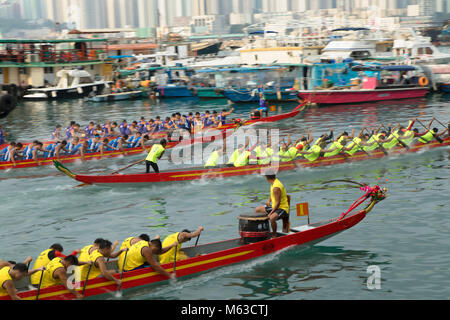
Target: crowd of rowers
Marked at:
110, 136
345, 144
51, 266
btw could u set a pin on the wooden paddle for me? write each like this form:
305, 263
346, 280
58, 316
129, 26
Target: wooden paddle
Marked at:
175, 259
123, 269
436, 137
196, 242
86, 280
39, 286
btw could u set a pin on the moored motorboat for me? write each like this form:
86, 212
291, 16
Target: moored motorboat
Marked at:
119, 96
206, 257
224, 172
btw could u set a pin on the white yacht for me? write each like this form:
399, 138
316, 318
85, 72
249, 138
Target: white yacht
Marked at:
416, 48
72, 83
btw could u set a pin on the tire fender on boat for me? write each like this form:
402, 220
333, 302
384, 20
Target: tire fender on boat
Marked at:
7, 104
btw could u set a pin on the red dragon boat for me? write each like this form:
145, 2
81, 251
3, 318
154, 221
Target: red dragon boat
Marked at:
218, 254
202, 173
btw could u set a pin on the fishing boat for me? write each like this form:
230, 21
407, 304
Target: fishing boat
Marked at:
225, 172
374, 87
206, 257
119, 96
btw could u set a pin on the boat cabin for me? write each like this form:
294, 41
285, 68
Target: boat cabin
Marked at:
36, 62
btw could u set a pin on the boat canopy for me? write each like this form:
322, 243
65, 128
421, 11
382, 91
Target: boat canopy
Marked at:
349, 29
382, 68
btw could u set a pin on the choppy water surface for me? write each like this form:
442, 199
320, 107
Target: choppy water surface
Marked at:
406, 236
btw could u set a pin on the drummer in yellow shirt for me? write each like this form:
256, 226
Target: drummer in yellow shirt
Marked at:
277, 207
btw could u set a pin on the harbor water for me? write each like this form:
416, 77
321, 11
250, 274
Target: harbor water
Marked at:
405, 236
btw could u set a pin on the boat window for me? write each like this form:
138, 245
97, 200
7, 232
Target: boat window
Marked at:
84, 80
428, 50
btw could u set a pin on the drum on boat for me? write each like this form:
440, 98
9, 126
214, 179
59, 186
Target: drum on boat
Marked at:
254, 227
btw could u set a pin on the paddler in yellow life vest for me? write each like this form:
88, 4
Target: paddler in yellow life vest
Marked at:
337, 146
55, 273
277, 207
156, 152
178, 238
140, 255
127, 243
262, 153
98, 266
45, 257
215, 158
10, 272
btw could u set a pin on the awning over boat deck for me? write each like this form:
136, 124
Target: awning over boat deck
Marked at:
382, 68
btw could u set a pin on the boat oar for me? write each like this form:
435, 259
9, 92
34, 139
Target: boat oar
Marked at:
86, 280
446, 127
115, 172
347, 181
39, 286
123, 269
435, 136
175, 259
196, 242
129, 166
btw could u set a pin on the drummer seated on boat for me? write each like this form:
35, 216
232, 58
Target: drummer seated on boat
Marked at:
98, 267
277, 207
141, 255
263, 108
9, 273
178, 238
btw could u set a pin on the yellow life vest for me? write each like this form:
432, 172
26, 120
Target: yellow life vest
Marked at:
41, 261
47, 279
169, 256
84, 253
155, 153
242, 159
315, 149
212, 160
135, 258
284, 204
355, 146
4, 276
410, 137
337, 149
125, 244
233, 157
95, 270
427, 137
392, 143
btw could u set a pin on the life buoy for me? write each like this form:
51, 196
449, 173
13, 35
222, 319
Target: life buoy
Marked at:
120, 84
423, 81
